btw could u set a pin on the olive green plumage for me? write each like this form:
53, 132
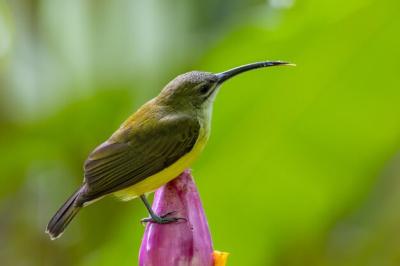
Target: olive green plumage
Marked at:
161, 133
118, 164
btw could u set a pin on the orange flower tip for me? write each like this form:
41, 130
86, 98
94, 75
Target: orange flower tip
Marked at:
220, 258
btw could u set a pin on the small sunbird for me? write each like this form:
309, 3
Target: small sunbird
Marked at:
153, 146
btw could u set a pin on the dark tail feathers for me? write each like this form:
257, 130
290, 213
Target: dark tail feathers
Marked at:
64, 216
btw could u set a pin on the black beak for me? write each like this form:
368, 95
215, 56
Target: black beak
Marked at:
237, 70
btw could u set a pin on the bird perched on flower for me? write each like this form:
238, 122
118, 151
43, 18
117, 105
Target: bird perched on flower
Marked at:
152, 146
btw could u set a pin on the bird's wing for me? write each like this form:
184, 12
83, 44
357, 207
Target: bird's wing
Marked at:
149, 149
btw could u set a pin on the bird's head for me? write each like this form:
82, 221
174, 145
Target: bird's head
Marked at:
197, 89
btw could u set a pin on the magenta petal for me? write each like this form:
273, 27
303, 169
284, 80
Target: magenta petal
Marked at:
185, 243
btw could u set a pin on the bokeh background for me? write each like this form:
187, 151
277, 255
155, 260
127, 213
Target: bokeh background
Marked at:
303, 165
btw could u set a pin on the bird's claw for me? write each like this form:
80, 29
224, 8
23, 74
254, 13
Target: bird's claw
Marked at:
163, 219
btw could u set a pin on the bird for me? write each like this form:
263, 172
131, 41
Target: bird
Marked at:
152, 147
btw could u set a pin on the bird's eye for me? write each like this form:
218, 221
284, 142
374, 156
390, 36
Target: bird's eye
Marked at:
204, 89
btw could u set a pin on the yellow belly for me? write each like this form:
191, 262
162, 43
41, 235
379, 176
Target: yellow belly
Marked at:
155, 181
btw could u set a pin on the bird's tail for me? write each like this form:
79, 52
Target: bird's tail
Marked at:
64, 216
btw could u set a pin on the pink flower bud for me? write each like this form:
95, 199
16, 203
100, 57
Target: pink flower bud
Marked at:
184, 243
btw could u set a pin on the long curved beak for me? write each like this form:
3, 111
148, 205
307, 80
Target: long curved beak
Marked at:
224, 76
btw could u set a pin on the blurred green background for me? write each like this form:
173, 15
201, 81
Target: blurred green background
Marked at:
303, 164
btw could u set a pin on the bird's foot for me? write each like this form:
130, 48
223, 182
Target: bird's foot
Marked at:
163, 219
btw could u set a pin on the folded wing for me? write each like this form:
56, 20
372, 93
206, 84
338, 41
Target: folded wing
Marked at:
147, 150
